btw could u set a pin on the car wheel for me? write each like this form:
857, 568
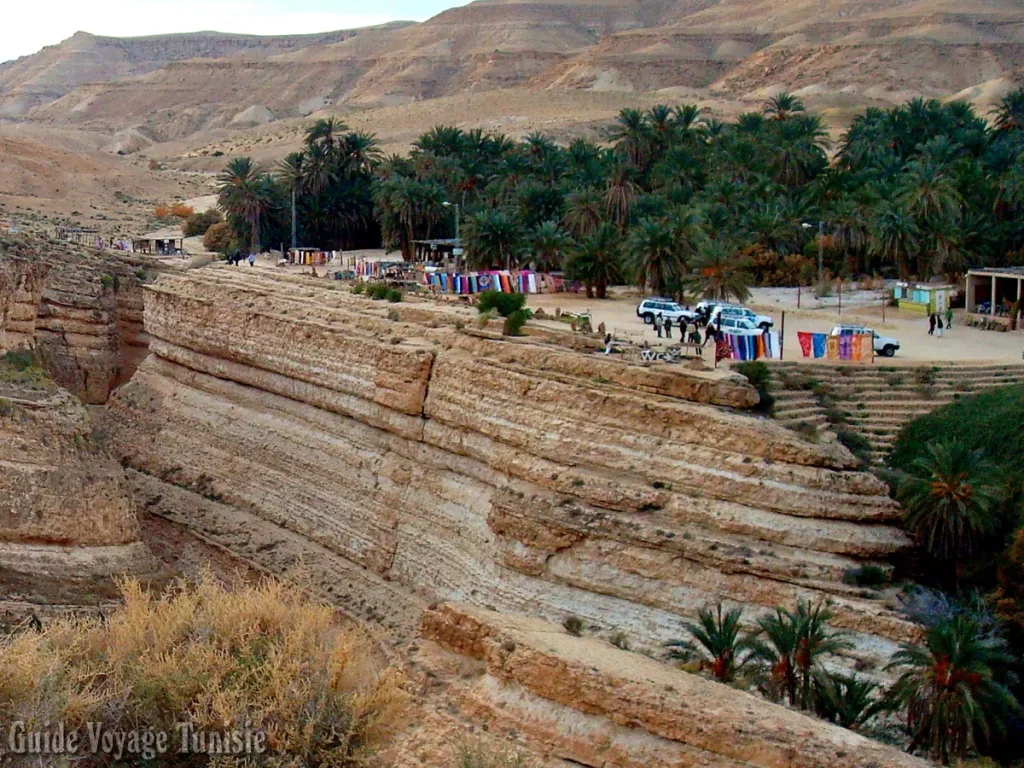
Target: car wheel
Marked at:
648, 318
888, 350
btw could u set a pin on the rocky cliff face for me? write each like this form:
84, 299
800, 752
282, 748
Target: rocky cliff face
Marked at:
584, 701
419, 461
67, 518
80, 311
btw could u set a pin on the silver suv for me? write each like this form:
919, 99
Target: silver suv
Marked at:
649, 308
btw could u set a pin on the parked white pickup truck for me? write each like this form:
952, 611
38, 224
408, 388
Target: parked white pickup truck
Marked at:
885, 346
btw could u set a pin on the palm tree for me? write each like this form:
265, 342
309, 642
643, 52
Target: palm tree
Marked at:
928, 192
950, 687
492, 237
549, 244
894, 235
719, 273
654, 259
791, 645
949, 503
1010, 113
846, 700
327, 133
584, 212
241, 193
597, 261
360, 152
290, 173
719, 641
619, 195
631, 134
783, 106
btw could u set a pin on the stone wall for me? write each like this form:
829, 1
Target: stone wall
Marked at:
518, 474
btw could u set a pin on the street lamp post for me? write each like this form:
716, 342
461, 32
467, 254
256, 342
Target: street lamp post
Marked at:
457, 250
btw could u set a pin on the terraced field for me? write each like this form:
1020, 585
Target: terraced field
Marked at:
874, 401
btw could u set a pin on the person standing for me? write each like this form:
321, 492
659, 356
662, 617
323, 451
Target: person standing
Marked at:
668, 327
607, 344
252, 259
659, 323
949, 317
931, 324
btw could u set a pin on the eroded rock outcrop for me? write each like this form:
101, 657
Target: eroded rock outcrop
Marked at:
80, 311
67, 518
583, 700
513, 473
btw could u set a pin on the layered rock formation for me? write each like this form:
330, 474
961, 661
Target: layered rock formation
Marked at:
80, 311
67, 518
420, 461
583, 700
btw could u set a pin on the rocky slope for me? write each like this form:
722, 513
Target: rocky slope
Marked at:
416, 461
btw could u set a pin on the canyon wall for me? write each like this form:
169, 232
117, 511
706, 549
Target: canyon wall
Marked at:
80, 311
68, 527
587, 702
416, 459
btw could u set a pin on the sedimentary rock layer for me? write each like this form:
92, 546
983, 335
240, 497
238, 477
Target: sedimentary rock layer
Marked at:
79, 310
67, 519
584, 700
522, 474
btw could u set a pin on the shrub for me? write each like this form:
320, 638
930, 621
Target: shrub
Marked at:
620, 640
807, 431
260, 657
866, 576
855, 443
573, 625
358, 288
182, 211
162, 212
394, 295
485, 317
514, 323
198, 224
218, 238
761, 379
504, 303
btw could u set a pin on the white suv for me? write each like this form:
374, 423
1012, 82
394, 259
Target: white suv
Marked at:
885, 346
667, 308
717, 308
737, 326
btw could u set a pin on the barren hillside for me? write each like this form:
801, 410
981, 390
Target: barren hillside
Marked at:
835, 53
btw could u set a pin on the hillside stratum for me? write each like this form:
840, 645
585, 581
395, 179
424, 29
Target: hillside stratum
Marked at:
836, 53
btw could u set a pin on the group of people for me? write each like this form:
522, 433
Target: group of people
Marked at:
935, 326
688, 332
239, 256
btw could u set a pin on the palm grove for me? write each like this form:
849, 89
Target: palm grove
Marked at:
678, 202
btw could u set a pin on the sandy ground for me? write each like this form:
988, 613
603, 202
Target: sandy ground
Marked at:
959, 344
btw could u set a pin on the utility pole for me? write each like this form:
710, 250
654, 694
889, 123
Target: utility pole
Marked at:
457, 249
295, 237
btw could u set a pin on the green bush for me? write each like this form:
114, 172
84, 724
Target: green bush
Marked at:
377, 291
504, 303
358, 288
197, 224
989, 421
573, 625
514, 323
394, 295
855, 442
760, 377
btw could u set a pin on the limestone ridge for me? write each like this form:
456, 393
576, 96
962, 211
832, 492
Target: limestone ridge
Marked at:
520, 474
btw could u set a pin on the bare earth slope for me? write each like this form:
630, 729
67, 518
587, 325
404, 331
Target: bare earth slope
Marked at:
836, 51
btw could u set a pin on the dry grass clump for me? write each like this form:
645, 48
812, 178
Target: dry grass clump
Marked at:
258, 656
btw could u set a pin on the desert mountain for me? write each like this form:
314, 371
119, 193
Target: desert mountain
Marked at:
834, 53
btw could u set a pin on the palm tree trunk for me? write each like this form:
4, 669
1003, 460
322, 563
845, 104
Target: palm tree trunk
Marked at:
295, 238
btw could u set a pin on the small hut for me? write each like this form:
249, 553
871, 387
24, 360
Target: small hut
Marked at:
923, 297
993, 291
163, 242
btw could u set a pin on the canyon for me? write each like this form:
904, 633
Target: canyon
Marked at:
465, 491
